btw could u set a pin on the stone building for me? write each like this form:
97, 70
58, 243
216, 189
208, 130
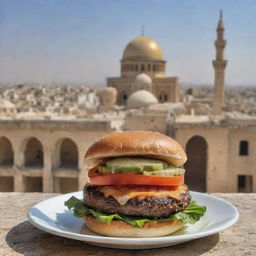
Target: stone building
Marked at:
143, 68
46, 156
7, 108
107, 98
221, 155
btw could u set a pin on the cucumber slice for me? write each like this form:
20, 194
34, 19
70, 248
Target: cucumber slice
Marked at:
133, 165
140, 166
170, 172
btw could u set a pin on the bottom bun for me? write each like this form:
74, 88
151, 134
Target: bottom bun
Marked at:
121, 229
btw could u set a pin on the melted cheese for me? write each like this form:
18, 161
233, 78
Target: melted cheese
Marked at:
123, 193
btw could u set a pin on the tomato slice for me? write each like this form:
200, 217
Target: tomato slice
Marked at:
134, 179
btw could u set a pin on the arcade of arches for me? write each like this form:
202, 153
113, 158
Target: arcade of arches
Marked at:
52, 159
32, 165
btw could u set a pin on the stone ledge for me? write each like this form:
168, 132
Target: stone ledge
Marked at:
82, 125
19, 237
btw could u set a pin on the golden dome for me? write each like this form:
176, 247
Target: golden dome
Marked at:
143, 48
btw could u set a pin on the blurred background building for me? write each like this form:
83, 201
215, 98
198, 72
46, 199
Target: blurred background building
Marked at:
45, 131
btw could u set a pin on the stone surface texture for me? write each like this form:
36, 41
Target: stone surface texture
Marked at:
19, 237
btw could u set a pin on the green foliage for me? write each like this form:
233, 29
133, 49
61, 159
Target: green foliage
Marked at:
190, 215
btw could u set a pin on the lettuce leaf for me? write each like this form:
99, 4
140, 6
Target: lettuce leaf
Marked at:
190, 215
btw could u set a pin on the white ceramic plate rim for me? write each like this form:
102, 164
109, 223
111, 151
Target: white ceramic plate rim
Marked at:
128, 240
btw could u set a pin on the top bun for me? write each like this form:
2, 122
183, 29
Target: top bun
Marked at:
136, 143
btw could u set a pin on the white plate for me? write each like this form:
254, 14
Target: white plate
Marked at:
52, 216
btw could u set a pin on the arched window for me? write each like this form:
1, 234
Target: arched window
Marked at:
65, 162
132, 67
142, 67
6, 152
196, 166
154, 67
244, 148
68, 154
149, 67
34, 156
163, 97
136, 67
122, 97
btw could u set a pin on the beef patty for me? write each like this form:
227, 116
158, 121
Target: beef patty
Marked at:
154, 207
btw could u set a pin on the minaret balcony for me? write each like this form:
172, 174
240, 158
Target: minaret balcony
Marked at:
220, 43
219, 64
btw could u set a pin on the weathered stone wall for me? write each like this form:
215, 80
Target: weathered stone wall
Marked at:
217, 172
50, 175
224, 164
143, 122
241, 164
161, 86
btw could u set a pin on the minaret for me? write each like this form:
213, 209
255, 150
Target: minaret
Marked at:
219, 65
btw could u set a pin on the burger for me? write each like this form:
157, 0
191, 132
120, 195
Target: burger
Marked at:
136, 186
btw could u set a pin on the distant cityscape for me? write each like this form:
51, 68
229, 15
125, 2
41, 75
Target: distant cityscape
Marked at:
25, 101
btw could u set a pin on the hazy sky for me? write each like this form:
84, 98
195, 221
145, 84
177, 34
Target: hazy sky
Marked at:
77, 41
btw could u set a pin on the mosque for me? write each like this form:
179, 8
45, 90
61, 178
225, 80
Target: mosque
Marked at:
143, 68
47, 155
